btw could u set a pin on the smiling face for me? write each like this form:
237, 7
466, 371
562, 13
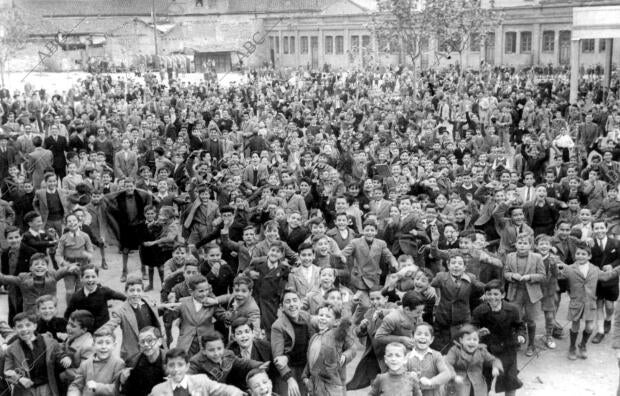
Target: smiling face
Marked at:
176, 368
47, 310
423, 337
326, 318
244, 336
39, 268
214, 351
291, 305
90, 279
260, 385
241, 293
25, 329
104, 346
395, 357
470, 341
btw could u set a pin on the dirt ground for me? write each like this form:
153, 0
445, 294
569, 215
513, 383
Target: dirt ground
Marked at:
548, 374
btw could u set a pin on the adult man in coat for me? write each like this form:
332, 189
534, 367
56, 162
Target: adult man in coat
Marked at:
58, 146
38, 162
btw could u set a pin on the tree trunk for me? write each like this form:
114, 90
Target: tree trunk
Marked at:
2, 69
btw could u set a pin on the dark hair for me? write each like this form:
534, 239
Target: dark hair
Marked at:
305, 246
243, 280
240, 321
10, 229
32, 318
286, 291
211, 336
37, 257
156, 332
89, 267
177, 353
494, 284
133, 279
412, 299
425, 324
195, 280
31, 216
84, 318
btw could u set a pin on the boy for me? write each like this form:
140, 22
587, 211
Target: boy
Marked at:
305, 277
94, 209
240, 304
79, 343
270, 279
502, 330
549, 287
98, 374
524, 273
455, 288
93, 297
510, 227
23, 368
39, 281
398, 325
582, 277
368, 366
397, 381
259, 383
217, 271
146, 369
10, 259
218, 363
132, 316
48, 321
247, 345
177, 366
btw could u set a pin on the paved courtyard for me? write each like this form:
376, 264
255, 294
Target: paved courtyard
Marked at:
549, 374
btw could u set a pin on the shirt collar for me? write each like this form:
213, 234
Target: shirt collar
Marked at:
197, 304
182, 384
87, 293
139, 305
420, 355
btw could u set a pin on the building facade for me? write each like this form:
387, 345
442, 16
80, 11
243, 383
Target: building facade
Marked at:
286, 33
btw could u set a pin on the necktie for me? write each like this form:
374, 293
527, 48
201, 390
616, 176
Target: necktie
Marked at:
245, 353
255, 175
601, 244
527, 198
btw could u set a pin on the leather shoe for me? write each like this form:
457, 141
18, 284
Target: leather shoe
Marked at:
104, 265
572, 353
123, 278
598, 338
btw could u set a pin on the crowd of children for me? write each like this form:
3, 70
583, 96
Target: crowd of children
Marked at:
428, 227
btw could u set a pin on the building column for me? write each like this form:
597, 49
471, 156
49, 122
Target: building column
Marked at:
609, 48
346, 45
574, 70
499, 46
536, 37
321, 50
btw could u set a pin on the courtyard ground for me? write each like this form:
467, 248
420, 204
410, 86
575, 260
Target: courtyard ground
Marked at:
549, 374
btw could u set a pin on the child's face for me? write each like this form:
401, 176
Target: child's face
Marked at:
421, 281
543, 246
585, 216
260, 385
582, 256
423, 338
494, 297
322, 247
177, 368
90, 279
214, 256
214, 350
274, 254
327, 278
523, 245
39, 268
241, 293
244, 336
481, 242
74, 329
150, 215
47, 310
25, 329
377, 300
201, 291
134, 293
456, 266
189, 271
326, 318
14, 239
470, 342
178, 255
517, 216
395, 357
334, 299
600, 230
465, 243
149, 343
306, 257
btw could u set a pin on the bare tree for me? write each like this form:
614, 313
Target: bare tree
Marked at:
404, 25
462, 25
13, 36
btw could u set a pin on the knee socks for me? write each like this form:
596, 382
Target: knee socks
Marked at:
584, 338
573, 338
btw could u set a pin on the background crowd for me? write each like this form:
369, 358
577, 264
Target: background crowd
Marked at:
297, 217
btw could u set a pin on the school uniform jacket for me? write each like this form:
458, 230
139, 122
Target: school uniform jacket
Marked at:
337, 237
106, 377
582, 290
283, 336
534, 267
507, 230
469, 366
297, 280
193, 324
368, 262
453, 308
79, 349
39, 202
608, 256
198, 384
125, 317
16, 360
